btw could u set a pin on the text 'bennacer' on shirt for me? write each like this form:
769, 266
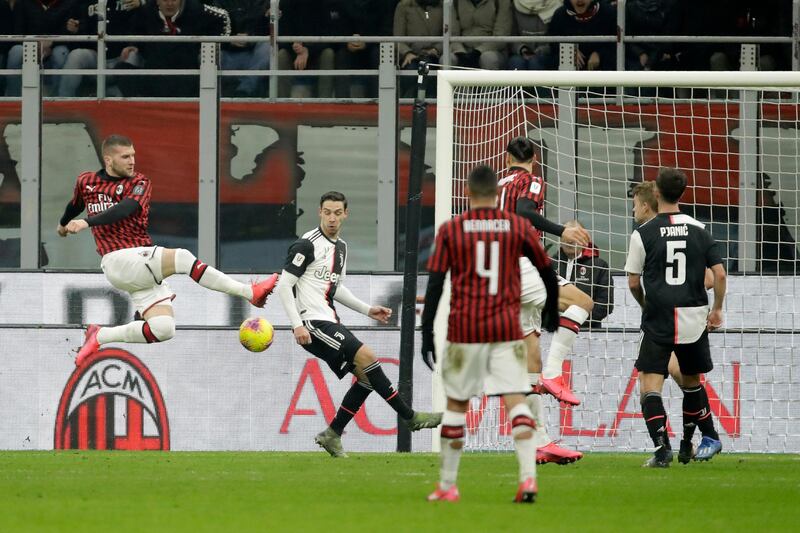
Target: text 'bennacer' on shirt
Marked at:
475, 226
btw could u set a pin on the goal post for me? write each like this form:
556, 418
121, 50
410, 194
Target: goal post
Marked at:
737, 137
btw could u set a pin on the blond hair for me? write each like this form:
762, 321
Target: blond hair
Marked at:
646, 191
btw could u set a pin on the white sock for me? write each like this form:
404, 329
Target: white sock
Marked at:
208, 276
131, 332
453, 424
535, 404
564, 338
525, 448
533, 378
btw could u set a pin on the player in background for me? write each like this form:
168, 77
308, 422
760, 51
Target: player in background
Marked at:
668, 255
484, 352
312, 279
522, 192
117, 202
645, 207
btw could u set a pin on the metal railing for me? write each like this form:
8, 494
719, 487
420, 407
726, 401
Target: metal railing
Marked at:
621, 39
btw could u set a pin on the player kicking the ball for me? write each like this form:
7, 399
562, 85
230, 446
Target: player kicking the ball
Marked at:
117, 202
485, 352
310, 282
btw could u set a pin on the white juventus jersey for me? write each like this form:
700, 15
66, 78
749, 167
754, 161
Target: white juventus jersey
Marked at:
320, 265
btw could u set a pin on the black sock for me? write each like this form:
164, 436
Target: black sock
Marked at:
656, 419
692, 409
351, 403
702, 410
383, 386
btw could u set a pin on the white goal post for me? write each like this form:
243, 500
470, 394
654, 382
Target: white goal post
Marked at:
737, 137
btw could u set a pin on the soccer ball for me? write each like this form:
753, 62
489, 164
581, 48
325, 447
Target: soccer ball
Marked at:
255, 334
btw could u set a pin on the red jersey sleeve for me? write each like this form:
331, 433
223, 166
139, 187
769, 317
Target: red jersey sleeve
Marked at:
532, 188
141, 190
532, 247
440, 260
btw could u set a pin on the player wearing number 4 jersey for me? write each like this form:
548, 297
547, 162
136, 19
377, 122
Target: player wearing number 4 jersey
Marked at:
484, 350
117, 200
522, 192
312, 279
666, 266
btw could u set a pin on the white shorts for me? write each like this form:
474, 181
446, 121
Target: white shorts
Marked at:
492, 368
532, 297
131, 270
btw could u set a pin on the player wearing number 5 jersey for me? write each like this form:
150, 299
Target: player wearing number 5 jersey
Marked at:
669, 255
484, 350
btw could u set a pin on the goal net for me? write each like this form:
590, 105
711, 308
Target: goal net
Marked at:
735, 135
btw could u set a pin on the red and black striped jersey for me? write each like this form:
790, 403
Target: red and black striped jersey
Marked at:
520, 183
97, 191
481, 249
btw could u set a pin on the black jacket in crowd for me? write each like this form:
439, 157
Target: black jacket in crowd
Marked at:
247, 16
599, 19
590, 273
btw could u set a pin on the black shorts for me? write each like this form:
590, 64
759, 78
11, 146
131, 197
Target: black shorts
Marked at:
334, 344
694, 358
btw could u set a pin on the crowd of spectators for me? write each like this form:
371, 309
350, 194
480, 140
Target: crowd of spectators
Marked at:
415, 18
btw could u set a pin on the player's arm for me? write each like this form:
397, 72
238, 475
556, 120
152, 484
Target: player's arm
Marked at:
634, 266
438, 265
708, 281
714, 262
345, 297
301, 253
74, 208
532, 248
529, 209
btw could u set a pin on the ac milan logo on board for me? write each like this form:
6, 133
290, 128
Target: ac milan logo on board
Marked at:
112, 402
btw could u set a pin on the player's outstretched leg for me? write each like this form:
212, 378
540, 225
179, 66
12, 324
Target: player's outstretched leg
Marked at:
547, 451
157, 328
452, 444
182, 261
331, 438
577, 306
367, 364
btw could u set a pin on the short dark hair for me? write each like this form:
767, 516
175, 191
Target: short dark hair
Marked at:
646, 191
333, 196
112, 141
521, 149
482, 181
671, 183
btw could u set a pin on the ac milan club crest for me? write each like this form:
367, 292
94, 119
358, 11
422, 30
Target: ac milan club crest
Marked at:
112, 402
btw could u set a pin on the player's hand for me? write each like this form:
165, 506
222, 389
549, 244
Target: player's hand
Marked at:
576, 235
301, 335
381, 314
62, 231
714, 319
77, 225
428, 349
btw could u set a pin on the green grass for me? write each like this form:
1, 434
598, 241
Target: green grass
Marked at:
233, 492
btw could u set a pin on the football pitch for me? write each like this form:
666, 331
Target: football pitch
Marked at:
232, 492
